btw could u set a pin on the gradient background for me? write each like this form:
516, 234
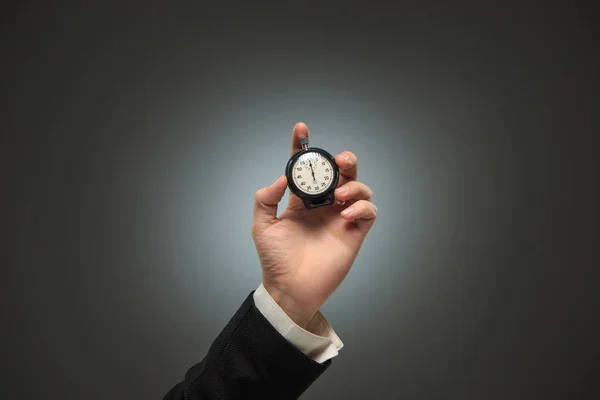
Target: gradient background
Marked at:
134, 138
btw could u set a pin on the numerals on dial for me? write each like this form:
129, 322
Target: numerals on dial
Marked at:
319, 170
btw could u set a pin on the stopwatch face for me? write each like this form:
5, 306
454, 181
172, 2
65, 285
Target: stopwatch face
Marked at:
313, 173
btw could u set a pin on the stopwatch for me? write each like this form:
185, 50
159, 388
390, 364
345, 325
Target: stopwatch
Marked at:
312, 175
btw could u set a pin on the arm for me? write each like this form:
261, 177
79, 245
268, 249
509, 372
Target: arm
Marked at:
249, 359
305, 256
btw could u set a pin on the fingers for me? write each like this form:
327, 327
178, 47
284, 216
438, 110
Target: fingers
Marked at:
266, 200
353, 191
362, 209
348, 165
363, 213
300, 130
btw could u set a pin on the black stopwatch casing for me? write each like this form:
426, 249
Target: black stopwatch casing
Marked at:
312, 200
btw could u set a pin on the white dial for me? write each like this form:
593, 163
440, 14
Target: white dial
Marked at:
313, 173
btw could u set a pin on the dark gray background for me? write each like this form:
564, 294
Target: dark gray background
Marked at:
134, 137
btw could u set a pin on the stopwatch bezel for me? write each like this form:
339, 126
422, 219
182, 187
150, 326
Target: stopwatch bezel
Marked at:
302, 194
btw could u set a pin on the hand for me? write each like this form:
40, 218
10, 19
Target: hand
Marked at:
305, 255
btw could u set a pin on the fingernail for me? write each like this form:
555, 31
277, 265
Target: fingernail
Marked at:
342, 190
348, 212
346, 157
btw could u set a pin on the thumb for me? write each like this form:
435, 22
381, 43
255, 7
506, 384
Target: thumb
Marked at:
266, 200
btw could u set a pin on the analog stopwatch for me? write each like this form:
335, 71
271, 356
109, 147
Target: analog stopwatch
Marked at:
312, 175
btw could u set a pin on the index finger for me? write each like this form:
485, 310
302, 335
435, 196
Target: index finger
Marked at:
300, 131
348, 165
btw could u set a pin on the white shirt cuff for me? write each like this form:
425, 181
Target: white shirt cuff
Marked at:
319, 342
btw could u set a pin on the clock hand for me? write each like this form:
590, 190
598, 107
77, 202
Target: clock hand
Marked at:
312, 171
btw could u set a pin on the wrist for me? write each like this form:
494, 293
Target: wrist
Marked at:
300, 314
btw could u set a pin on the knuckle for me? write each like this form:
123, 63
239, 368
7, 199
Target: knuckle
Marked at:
361, 205
365, 190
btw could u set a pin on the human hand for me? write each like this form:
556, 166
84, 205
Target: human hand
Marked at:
305, 255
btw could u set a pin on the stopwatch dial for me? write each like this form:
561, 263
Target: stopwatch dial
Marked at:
313, 173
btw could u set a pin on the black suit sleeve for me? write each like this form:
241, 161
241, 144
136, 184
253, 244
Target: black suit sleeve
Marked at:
249, 359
